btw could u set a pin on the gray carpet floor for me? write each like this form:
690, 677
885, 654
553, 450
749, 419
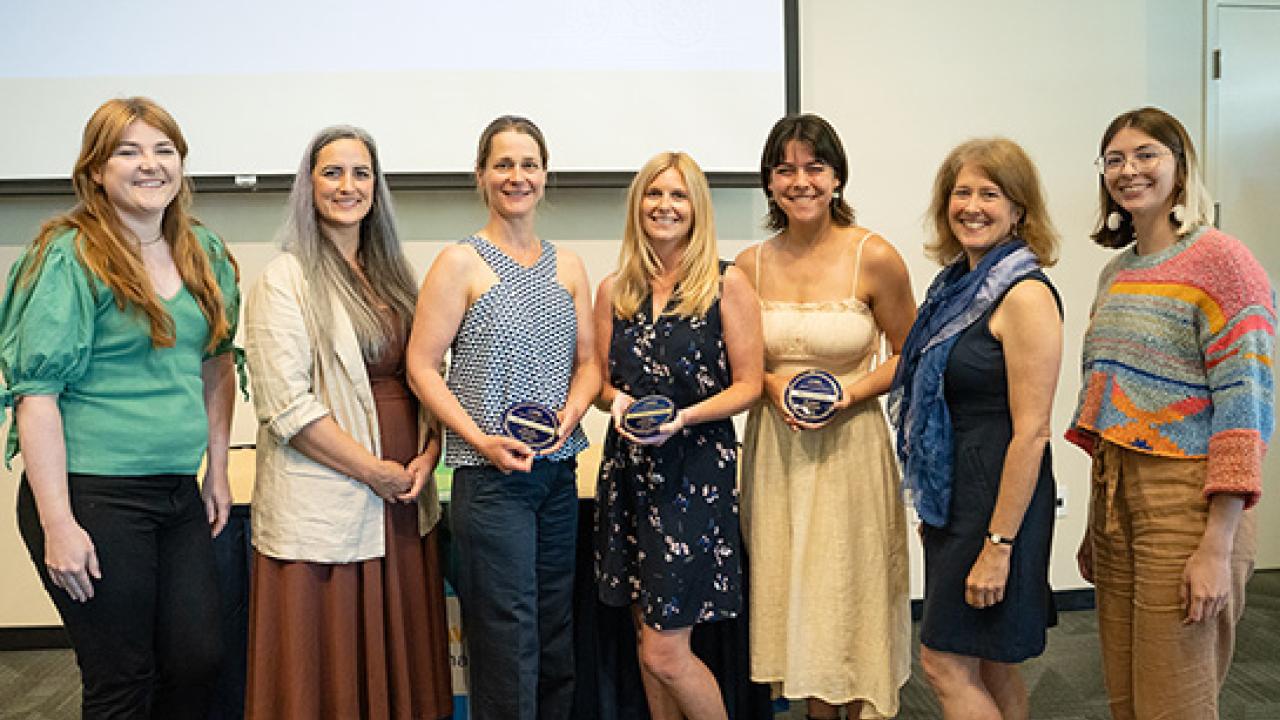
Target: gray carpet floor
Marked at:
1065, 683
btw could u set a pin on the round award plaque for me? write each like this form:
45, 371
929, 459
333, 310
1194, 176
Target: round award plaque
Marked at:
647, 414
811, 395
533, 424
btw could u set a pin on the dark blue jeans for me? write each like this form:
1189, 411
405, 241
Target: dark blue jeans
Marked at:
515, 538
148, 642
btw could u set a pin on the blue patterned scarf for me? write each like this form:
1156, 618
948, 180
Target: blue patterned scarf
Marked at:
917, 405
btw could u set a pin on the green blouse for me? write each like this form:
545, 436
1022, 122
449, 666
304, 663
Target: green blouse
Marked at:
128, 408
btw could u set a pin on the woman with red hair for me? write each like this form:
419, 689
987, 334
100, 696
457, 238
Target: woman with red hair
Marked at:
115, 340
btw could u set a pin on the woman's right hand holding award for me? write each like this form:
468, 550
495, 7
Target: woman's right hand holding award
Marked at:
618, 408
505, 453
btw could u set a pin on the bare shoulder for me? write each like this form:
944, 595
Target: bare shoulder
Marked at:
569, 260
455, 259
883, 276
746, 261
1030, 295
739, 304
605, 290
572, 273
879, 255
736, 284
1028, 309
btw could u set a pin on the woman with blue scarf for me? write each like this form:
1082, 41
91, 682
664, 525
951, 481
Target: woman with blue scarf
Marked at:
971, 402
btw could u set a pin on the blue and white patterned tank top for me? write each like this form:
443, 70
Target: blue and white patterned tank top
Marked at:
517, 342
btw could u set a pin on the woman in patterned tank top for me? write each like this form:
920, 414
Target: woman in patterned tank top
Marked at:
514, 312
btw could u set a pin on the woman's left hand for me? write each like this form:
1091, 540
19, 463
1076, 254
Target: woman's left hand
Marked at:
566, 421
838, 407
420, 468
1206, 585
1084, 556
665, 431
216, 494
987, 578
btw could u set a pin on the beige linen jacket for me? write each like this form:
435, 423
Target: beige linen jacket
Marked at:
302, 509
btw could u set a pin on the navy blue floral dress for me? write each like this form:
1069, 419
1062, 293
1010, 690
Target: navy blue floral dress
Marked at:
666, 531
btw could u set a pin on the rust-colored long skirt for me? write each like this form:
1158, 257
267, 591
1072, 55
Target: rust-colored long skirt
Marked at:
357, 640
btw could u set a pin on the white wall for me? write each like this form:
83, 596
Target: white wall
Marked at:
903, 82
906, 82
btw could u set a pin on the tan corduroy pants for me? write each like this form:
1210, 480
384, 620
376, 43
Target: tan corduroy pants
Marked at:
1147, 516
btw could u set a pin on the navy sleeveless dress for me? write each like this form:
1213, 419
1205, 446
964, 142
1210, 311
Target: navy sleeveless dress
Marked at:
977, 395
666, 530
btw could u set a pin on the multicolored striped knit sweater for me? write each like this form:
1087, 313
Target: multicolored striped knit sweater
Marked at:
1178, 359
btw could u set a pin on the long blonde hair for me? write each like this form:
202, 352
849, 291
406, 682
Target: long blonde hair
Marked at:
102, 240
638, 264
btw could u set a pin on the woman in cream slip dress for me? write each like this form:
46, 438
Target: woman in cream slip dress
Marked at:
824, 521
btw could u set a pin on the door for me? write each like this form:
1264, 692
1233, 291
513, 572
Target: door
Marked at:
1246, 167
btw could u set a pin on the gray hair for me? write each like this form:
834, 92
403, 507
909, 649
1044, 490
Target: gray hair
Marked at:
390, 278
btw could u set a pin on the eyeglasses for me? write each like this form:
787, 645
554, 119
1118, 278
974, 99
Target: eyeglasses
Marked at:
1143, 161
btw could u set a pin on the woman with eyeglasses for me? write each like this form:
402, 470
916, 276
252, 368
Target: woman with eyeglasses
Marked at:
1176, 409
824, 521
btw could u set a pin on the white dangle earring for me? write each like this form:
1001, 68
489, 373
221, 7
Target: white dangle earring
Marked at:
1179, 213
1114, 220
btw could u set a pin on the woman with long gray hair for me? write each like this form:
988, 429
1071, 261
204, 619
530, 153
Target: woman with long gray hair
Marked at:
347, 610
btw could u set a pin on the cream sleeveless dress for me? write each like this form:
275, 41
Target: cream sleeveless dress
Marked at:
824, 522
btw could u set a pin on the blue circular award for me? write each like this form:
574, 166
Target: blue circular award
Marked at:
646, 415
533, 424
811, 396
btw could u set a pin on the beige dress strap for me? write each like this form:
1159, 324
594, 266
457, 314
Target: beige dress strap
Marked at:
857, 262
759, 257
881, 351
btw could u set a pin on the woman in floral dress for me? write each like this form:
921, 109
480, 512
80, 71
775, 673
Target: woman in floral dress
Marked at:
672, 321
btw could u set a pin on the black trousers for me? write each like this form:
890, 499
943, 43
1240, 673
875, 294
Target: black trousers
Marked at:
515, 538
147, 643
